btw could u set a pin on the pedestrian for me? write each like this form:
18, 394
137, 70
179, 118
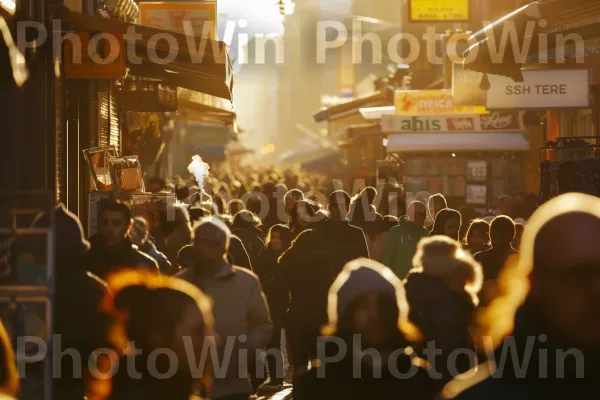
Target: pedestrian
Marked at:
302, 215
246, 226
78, 294
367, 314
111, 247
502, 233
9, 377
290, 199
504, 206
519, 229
383, 225
435, 204
173, 232
477, 238
402, 241
157, 315
545, 325
141, 238
447, 223
240, 310
442, 291
279, 239
235, 206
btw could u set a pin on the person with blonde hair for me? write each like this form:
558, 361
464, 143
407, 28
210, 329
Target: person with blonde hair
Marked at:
442, 291
542, 334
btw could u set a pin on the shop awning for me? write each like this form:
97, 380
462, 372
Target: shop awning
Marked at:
581, 17
457, 142
379, 98
207, 72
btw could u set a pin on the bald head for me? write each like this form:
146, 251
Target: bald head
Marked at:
417, 212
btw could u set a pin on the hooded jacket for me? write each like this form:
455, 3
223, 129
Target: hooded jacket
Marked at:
401, 246
338, 380
239, 307
102, 263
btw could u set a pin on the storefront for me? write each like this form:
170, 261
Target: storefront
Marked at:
470, 159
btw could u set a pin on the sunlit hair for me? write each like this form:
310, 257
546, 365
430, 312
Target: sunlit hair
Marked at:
497, 320
444, 258
404, 326
215, 222
284, 233
9, 378
129, 291
477, 225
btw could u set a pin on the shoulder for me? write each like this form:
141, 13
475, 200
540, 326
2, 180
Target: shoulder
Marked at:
479, 383
145, 259
245, 275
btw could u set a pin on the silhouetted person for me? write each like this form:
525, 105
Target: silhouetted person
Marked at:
435, 204
502, 233
401, 244
141, 238
545, 325
111, 248
447, 223
477, 238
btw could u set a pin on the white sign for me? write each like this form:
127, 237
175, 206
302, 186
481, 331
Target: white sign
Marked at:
476, 194
477, 170
547, 89
494, 122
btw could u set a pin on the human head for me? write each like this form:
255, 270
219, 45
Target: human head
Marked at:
182, 192
291, 198
502, 231
368, 299
436, 203
139, 231
114, 222
417, 213
447, 223
477, 236
9, 378
254, 204
444, 258
235, 206
339, 205
156, 185
279, 238
505, 204
211, 242
302, 215
557, 275
69, 239
370, 193
246, 219
158, 312
516, 243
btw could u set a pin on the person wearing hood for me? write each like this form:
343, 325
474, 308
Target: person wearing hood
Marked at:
402, 240
78, 321
442, 293
447, 223
246, 226
367, 353
542, 334
240, 309
141, 238
111, 247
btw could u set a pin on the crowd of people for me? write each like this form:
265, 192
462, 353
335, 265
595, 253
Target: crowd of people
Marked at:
375, 300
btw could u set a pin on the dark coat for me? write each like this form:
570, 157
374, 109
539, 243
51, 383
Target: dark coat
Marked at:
163, 262
238, 254
267, 269
340, 382
101, 263
493, 260
506, 382
441, 314
252, 243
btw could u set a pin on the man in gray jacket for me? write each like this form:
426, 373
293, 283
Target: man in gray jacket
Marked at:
242, 322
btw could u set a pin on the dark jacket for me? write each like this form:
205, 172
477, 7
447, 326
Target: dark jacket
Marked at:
163, 262
506, 382
101, 263
238, 254
493, 260
401, 246
252, 243
351, 377
267, 269
442, 315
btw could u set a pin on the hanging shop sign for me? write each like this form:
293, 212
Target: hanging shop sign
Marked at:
95, 57
494, 122
546, 89
147, 96
430, 102
201, 17
439, 10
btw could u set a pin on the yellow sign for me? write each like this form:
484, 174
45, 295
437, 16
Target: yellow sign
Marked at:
101, 56
201, 17
439, 10
430, 102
